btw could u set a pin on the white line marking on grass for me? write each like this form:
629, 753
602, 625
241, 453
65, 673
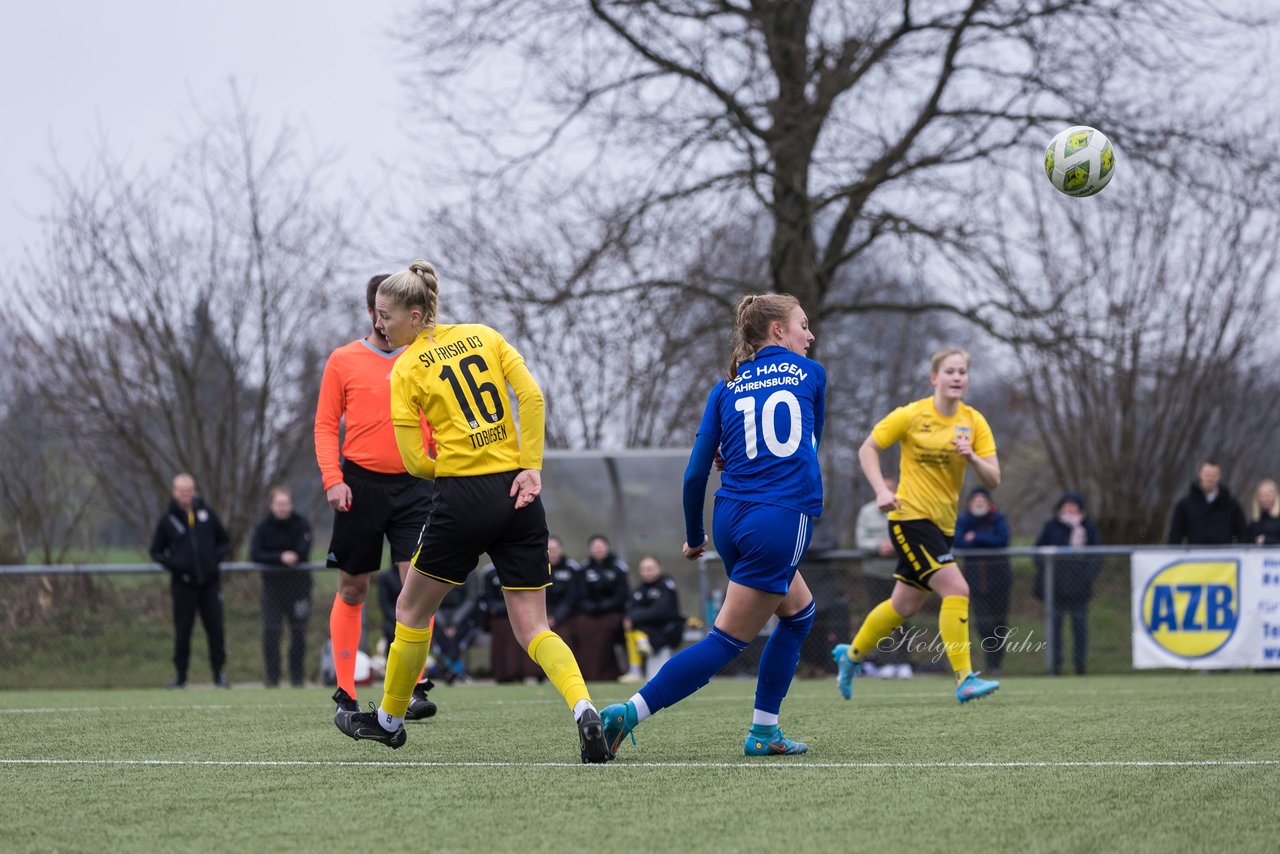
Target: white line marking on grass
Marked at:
793, 764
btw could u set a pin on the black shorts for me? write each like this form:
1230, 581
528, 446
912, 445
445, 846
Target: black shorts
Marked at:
394, 506
476, 514
922, 549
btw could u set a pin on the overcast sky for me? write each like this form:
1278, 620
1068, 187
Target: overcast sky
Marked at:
78, 71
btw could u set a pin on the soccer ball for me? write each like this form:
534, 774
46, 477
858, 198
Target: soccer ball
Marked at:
1079, 161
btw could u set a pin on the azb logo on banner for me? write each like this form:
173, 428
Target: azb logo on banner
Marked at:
1191, 607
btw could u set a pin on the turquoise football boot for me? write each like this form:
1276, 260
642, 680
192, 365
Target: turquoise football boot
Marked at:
972, 688
769, 741
848, 670
619, 721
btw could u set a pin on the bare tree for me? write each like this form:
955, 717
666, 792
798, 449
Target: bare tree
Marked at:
1169, 305
853, 130
47, 496
178, 321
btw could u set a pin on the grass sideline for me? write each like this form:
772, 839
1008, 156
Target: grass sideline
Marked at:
1140, 763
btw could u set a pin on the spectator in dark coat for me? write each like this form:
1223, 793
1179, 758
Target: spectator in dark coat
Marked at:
983, 526
1073, 576
1207, 515
654, 609
283, 539
600, 598
190, 543
1264, 530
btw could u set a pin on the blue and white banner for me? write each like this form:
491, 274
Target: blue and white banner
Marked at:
1206, 610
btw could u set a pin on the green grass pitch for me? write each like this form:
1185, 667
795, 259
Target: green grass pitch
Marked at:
1105, 763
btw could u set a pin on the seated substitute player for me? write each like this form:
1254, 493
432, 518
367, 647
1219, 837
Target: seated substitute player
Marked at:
485, 499
940, 436
766, 418
370, 491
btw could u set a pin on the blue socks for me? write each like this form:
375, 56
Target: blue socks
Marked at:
693, 667
779, 659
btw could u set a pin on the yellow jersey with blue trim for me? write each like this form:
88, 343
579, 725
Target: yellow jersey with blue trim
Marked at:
932, 473
457, 374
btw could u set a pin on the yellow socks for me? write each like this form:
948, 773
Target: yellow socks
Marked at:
556, 660
878, 625
953, 626
632, 639
405, 659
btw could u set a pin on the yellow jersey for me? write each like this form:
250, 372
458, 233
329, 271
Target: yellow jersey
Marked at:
932, 472
457, 375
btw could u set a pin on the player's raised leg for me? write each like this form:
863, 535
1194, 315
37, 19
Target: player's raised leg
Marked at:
953, 627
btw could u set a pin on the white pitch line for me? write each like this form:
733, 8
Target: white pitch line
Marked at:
870, 696
790, 764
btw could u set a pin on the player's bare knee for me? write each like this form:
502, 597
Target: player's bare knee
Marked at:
353, 588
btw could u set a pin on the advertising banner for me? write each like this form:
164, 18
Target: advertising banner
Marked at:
1208, 610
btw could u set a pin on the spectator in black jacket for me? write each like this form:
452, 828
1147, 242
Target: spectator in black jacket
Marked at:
1265, 527
1207, 515
1073, 576
600, 598
190, 543
283, 539
654, 609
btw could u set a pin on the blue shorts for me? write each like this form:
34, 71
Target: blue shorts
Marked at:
760, 544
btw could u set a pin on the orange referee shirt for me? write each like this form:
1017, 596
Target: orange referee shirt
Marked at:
356, 388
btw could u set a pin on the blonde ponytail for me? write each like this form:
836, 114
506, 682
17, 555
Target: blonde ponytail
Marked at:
416, 287
754, 314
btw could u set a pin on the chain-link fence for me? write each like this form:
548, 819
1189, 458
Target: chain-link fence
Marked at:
1031, 611
110, 625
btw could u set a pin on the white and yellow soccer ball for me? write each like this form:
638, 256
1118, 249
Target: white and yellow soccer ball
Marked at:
1080, 161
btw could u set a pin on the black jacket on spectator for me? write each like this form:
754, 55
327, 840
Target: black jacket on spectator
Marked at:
1268, 527
1072, 576
1200, 522
560, 593
191, 553
654, 609
601, 587
272, 538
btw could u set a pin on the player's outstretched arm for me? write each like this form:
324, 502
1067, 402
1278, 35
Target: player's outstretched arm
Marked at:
869, 459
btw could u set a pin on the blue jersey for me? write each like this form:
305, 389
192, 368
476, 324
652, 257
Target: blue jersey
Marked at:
766, 424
